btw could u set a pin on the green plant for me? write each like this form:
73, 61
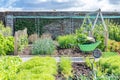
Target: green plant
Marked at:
81, 34
6, 31
111, 65
114, 30
38, 68
105, 69
9, 67
66, 67
27, 75
94, 77
6, 40
67, 41
32, 38
32, 25
42, 63
109, 54
43, 46
6, 45
113, 45
9, 47
22, 42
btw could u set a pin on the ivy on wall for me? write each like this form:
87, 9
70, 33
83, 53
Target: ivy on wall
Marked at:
31, 25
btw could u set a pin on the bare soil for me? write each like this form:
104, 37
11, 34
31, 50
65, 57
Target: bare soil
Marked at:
78, 69
71, 53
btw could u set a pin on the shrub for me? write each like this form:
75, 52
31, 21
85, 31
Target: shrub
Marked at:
6, 45
105, 69
26, 75
82, 38
114, 30
111, 65
6, 31
38, 68
43, 46
67, 41
22, 42
40, 65
9, 47
32, 38
113, 45
6, 40
9, 67
66, 67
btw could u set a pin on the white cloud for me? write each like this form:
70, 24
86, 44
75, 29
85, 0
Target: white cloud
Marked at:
61, 0
73, 5
11, 9
88, 5
38, 1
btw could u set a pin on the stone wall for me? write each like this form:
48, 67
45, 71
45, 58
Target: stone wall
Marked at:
62, 27
58, 26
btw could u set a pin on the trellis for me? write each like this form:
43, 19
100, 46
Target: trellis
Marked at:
91, 32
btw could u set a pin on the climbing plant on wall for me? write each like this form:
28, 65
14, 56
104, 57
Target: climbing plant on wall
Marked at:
31, 25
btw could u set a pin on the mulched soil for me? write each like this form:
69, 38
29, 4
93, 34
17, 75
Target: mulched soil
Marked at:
71, 53
78, 69
81, 68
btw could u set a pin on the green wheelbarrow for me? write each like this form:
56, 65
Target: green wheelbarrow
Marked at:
91, 48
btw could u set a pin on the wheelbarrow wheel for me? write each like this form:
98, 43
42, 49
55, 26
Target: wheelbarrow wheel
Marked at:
97, 53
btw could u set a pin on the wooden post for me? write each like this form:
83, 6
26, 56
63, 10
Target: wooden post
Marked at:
106, 40
106, 32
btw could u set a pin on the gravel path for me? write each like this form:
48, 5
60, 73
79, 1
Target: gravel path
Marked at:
73, 59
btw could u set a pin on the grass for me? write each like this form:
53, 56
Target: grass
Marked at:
109, 54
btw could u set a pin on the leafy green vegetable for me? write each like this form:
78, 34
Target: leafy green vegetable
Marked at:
6, 40
9, 67
66, 67
42, 68
67, 41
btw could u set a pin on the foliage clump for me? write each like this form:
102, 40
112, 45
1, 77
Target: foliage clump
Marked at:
43, 46
66, 67
37, 68
9, 67
104, 69
67, 41
42, 68
6, 40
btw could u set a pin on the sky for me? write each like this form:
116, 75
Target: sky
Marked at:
59, 5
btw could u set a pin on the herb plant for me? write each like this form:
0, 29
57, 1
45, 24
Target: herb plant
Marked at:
67, 41
66, 67
43, 46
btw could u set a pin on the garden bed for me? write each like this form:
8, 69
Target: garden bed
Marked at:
60, 52
78, 69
